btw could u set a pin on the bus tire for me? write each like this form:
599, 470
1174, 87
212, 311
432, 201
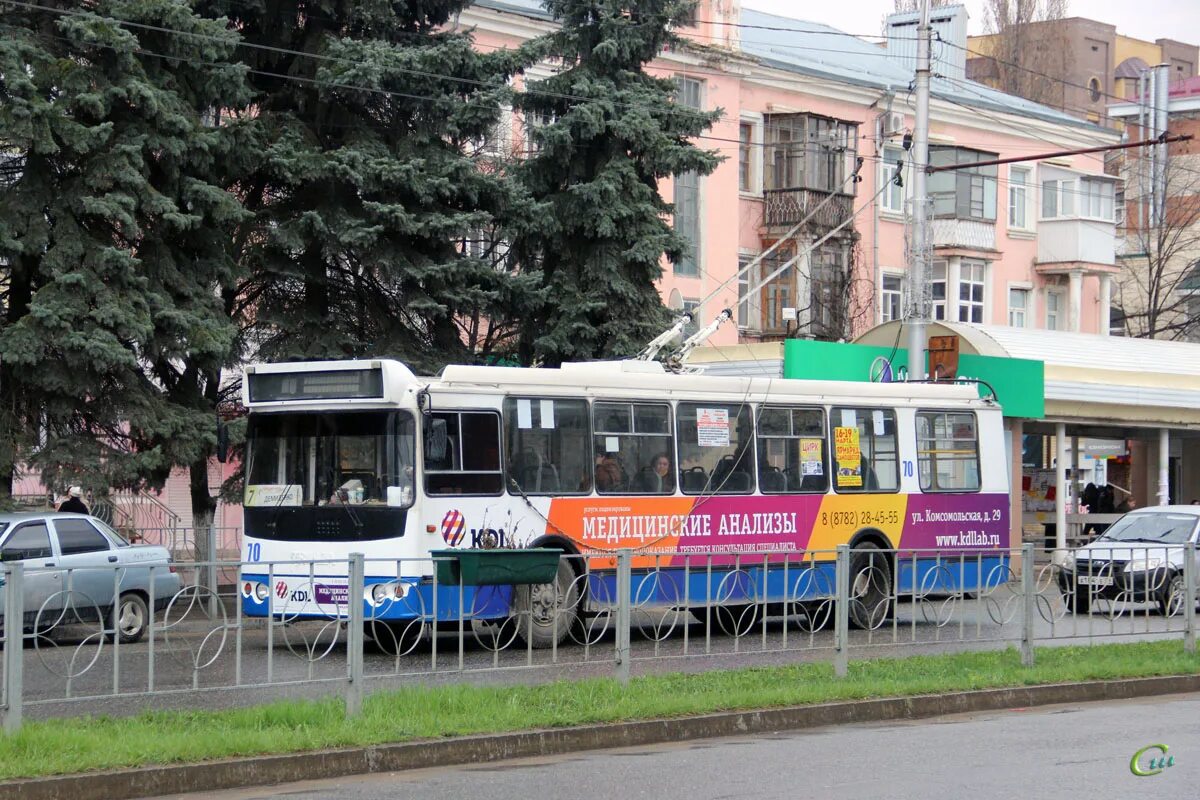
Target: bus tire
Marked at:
870, 586
546, 612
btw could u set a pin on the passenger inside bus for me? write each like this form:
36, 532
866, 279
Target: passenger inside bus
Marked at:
656, 477
610, 478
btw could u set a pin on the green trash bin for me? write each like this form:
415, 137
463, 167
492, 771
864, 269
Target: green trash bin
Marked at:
496, 567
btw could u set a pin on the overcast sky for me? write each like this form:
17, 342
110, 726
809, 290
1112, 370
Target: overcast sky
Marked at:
1144, 19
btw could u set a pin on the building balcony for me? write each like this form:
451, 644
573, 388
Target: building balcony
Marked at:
783, 208
967, 234
1082, 241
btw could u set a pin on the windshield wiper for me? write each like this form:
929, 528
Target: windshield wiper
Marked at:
329, 475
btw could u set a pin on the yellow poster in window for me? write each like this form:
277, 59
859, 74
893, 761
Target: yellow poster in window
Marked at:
848, 454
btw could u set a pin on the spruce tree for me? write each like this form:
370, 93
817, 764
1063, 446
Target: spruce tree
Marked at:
113, 230
606, 133
370, 180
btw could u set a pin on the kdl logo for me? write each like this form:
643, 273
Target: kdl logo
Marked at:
488, 538
1157, 760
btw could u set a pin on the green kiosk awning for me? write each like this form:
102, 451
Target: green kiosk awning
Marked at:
1019, 383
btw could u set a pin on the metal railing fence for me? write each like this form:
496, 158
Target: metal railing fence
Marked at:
79, 637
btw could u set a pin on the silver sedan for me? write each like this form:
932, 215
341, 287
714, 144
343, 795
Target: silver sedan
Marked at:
77, 566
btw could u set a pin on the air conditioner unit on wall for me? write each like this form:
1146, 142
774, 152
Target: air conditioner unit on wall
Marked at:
893, 124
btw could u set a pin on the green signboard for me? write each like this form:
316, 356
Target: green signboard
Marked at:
1019, 383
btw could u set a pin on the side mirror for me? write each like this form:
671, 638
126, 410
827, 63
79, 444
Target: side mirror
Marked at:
222, 441
436, 439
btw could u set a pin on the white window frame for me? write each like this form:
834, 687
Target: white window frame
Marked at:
944, 304
885, 273
961, 305
1059, 310
755, 121
749, 308
1027, 311
1025, 190
1073, 198
680, 79
887, 172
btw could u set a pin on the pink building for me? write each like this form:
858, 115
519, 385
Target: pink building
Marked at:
1027, 244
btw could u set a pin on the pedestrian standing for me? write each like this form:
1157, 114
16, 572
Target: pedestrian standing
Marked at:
74, 502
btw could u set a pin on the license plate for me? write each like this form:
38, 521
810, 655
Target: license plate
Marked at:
1095, 580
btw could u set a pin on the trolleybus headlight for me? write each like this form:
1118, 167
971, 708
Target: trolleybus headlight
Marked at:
382, 593
261, 591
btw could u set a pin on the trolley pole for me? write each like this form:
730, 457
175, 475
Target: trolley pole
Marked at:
919, 272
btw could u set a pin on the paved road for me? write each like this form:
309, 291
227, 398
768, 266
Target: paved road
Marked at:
307, 660
1052, 753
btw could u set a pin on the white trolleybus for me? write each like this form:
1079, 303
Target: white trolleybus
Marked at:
686, 470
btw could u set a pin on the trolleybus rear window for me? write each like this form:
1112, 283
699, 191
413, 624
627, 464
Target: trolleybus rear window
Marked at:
947, 451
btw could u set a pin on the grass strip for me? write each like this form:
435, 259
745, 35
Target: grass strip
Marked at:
83, 744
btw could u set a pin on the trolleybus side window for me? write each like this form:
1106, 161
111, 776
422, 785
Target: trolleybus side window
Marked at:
548, 445
791, 450
633, 449
864, 450
716, 448
947, 451
462, 453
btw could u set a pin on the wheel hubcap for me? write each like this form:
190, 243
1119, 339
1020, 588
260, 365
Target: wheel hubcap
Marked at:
130, 618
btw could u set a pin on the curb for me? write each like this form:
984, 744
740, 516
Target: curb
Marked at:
237, 773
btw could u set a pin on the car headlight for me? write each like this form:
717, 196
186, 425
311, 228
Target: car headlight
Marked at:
1144, 564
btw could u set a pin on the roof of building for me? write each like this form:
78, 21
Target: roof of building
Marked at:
1131, 67
1088, 375
1189, 87
809, 48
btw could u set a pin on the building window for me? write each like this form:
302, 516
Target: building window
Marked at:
1054, 309
1018, 307
808, 152
937, 289
691, 306
893, 198
970, 291
827, 312
891, 297
965, 193
689, 91
1094, 198
749, 310
1018, 198
778, 298
687, 221
745, 157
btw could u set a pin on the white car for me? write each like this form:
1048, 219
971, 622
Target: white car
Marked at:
62, 551
1138, 559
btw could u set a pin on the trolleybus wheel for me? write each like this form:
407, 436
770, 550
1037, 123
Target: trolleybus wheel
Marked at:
546, 612
870, 586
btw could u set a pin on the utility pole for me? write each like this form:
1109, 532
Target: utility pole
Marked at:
919, 273
1162, 82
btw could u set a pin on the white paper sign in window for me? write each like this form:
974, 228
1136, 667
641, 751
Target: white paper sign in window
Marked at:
712, 427
524, 414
